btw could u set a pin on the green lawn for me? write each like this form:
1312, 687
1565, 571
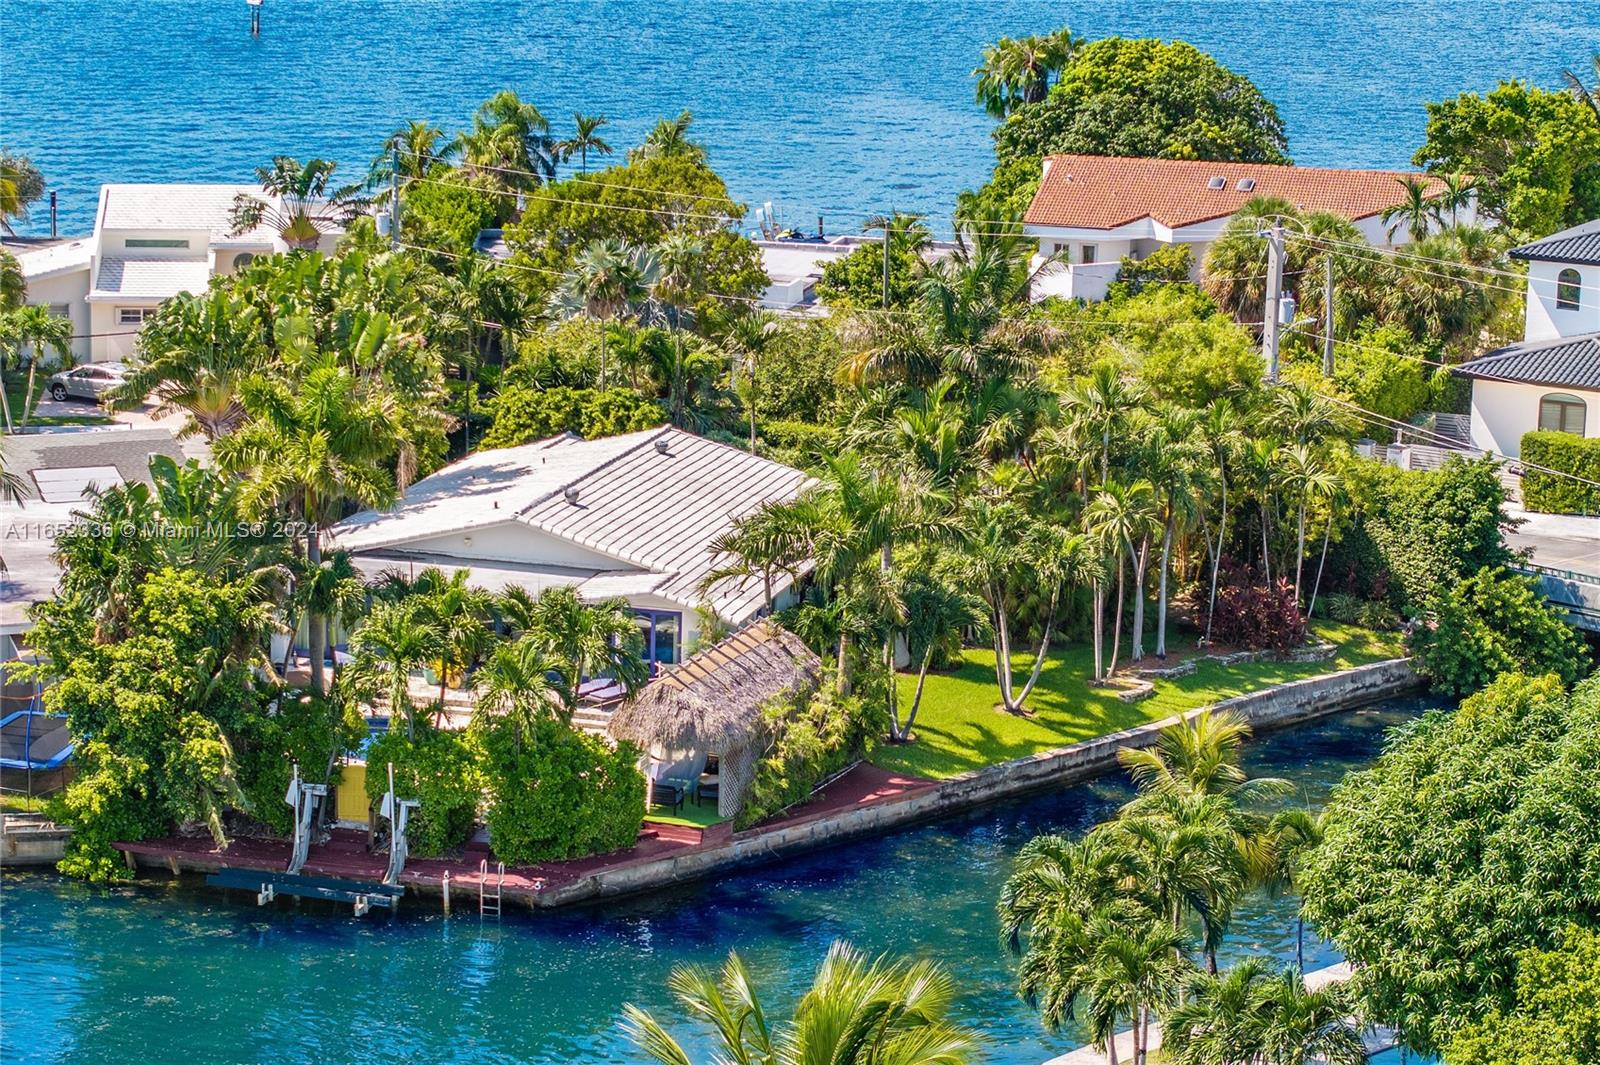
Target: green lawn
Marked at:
958, 727
691, 815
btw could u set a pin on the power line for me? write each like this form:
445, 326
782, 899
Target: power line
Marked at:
1406, 260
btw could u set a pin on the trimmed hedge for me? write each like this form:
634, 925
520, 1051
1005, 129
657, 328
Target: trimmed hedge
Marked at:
439, 769
1550, 493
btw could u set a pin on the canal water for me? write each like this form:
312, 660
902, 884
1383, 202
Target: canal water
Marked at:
170, 973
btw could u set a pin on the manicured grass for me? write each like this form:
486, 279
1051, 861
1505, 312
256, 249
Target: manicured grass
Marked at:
691, 815
958, 728
21, 804
14, 392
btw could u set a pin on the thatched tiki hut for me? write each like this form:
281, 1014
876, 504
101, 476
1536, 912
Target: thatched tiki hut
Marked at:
711, 706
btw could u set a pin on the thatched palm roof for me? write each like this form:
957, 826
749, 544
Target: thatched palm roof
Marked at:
713, 701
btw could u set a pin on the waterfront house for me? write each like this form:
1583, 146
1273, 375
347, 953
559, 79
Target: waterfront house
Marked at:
630, 517
1092, 210
702, 725
1551, 380
150, 242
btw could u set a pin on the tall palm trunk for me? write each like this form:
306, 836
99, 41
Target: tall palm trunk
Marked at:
916, 695
1316, 584
1161, 590
1140, 560
1099, 629
1216, 559
1300, 550
1116, 619
1038, 659
317, 633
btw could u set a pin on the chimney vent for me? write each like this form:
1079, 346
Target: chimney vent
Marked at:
571, 494
662, 444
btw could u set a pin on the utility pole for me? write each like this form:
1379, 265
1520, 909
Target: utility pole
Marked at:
1269, 309
394, 197
1327, 315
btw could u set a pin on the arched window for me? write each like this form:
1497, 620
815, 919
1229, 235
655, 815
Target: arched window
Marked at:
1561, 413
242, 260
1568, 284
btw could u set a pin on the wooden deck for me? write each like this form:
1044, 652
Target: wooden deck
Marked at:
345, 855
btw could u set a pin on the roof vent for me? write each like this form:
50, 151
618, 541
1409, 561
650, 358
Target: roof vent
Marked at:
662, 443
1247, 184
1217, 182
571, 494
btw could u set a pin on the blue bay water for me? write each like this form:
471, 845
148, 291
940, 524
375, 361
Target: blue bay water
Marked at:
159, 974
838, 108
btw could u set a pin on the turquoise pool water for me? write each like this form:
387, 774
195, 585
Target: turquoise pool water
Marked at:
823, 106
170, 973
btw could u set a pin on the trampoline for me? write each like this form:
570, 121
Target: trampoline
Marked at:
33, 742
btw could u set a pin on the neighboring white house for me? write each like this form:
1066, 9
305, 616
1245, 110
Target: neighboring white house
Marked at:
795, 266
1096, 209
150, 242
1552, 379
629, 516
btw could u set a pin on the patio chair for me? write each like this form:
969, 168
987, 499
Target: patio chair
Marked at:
709, 788
668, 795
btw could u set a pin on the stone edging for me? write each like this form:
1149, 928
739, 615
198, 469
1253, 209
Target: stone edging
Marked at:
1271, 708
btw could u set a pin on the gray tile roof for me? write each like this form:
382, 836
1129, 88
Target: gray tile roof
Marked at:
127, 450
1580, 244
1567, 362
150, 278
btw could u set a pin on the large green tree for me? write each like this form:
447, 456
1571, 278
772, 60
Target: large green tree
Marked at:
1474, 837
1556, 1016
1535, 154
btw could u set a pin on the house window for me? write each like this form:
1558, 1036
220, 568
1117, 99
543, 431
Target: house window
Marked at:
1568, 284
1561, 413
135, 315
663, 632
155, 242
1090, 251
243, 259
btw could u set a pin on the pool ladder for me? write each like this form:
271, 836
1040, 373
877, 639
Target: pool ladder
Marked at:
490, 902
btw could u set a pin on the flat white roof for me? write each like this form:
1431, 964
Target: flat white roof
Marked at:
46, 260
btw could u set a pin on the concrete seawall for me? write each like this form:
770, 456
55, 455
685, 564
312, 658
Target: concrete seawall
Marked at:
1275, 707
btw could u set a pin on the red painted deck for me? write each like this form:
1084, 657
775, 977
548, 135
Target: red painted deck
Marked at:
345, 854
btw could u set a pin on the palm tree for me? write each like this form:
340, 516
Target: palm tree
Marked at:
1590, 96
745, 338
521, 682
193, 358
1294, 834
302, 202
49, 338
509, 143
1134, 973
13, 286
772, 539
670, 140
1253, 1014
1175, 463
1123, 518
607, 278
857, 1012
1223, 433
419, 143
937, 613
20, 185
1457, 195
317, 443
588, 639
395, 640
1018, 72
1416, 212
1304, 475
585, 139
460, 613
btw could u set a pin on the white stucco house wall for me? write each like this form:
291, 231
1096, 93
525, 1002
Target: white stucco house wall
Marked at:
630, 517
794, 266
1093, 210
150, 242
1552, 379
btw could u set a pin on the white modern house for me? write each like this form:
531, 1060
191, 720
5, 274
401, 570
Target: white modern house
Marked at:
150, 242
1093, 209
794, 266
1552, 379
629, 517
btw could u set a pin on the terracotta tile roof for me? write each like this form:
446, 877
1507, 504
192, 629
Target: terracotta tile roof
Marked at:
1103, 192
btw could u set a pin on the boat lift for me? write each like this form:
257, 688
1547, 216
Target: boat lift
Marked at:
398, 812
304, 799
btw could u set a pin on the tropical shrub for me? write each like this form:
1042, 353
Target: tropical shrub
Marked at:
1550, 493
1382, 370
1556, 1016
813, 737
448, 214
523, 414
555, 792
297, 728
1474, 837
439, 768
1491, 623
1257, 616
1168, 264
856, 280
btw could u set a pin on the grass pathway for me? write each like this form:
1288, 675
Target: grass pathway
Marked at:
958, 728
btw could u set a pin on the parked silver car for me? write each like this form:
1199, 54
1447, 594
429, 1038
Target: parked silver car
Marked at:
89, 382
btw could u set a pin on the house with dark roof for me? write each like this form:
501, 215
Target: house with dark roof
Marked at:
1552, 379
1095, 209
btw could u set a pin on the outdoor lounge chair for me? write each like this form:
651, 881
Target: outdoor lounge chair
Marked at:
668, 795
708, 789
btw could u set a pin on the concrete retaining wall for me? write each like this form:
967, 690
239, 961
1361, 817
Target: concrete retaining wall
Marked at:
27, 843
1265, 710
